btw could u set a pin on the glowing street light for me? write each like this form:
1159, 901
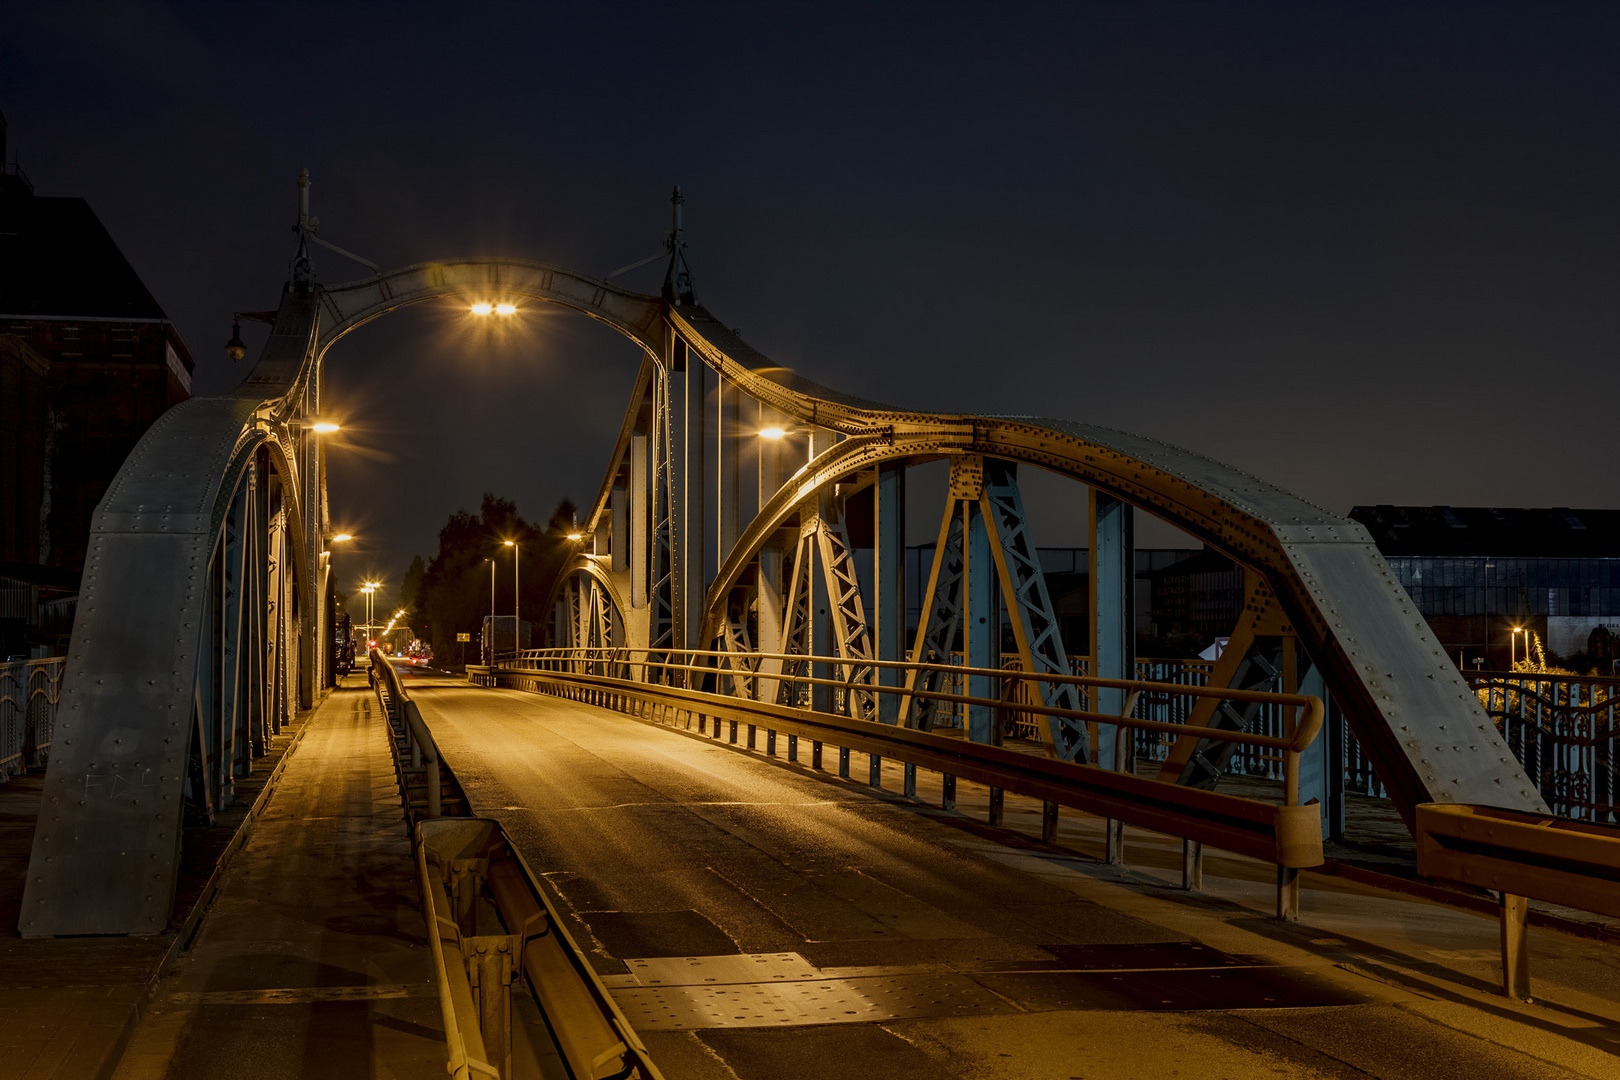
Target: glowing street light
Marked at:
324, 427
517, 623
482, 309
339, 538
772, 433
1513, 639
506, 309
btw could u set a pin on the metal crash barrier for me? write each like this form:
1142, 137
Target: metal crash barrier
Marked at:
490, 925
1288, 834
1521, 857
426, 785
473, 880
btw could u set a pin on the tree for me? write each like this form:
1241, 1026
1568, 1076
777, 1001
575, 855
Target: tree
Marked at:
453, 594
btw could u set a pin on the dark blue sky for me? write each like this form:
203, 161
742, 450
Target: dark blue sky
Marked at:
1366, 251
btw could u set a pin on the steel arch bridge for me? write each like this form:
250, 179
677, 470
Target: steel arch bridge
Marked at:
207, 592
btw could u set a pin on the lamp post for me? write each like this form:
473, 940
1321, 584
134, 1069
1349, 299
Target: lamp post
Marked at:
517, 621
490, 659
370, 589
1513, 641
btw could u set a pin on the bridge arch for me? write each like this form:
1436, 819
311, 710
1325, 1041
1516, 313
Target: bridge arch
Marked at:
159, 570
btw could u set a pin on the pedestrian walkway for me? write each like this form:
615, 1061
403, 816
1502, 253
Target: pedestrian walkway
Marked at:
311, 960
68, 1006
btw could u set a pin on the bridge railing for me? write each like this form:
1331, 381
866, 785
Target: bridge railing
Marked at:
1565, 731
668, 686
29, 691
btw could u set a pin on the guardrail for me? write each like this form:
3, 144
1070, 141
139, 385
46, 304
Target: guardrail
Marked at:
1520, 856
1288, 835
471, 877
465, 865
426, 785
29, 691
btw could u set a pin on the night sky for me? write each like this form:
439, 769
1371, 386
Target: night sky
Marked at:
1366, 251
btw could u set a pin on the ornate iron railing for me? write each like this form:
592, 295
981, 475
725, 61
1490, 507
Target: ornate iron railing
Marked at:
1563, 730
29, 690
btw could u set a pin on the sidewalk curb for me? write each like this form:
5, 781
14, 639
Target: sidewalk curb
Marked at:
1479, 903
189, 926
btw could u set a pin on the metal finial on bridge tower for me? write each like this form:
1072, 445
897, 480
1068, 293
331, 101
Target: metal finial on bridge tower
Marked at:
678, 282
302, 273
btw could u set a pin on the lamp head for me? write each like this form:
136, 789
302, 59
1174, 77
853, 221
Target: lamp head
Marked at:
235, 348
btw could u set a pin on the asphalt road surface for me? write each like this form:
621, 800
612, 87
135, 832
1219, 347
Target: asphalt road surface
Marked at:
759, 922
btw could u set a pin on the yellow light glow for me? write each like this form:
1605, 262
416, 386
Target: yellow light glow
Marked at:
340, 537
325, 427
576, 536
771, 433
482, 309
506, 309
508, 543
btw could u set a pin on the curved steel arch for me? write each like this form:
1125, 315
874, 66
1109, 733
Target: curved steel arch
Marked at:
105, 850
1416, 717
105, 854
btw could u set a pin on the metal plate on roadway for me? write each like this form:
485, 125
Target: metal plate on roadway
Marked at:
819, 1001
717, 970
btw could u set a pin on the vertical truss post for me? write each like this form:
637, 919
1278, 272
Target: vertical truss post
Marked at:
982, 627
275, 621
769, 615
258, 594
233, 573
727, 479
1321, 772
690, 545
662, 618
889, 578
1113, 630
201, 774
640, 516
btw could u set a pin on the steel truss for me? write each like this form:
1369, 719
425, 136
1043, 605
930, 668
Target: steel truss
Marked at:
194, 629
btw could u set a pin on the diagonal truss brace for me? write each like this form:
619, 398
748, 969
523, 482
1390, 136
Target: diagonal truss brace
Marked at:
939, 629
1035, 623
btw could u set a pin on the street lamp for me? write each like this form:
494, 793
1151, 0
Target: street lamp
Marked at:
370, 589
339, 538
517, 621
490, 657
772, 433
1512, 641
484, 308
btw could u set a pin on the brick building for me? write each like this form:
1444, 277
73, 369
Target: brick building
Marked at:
88, 360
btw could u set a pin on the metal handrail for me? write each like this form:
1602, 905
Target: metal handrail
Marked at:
1306, 727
